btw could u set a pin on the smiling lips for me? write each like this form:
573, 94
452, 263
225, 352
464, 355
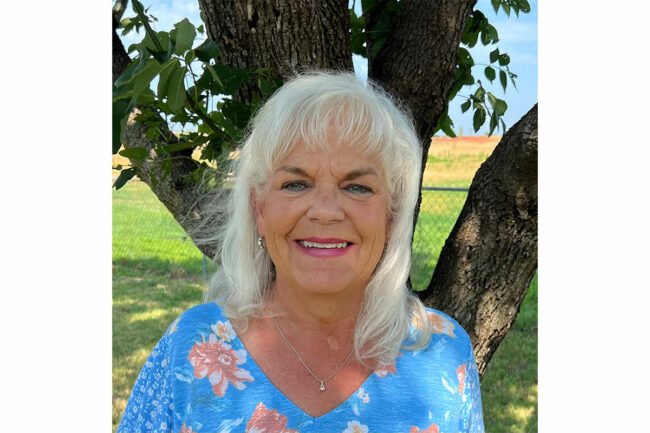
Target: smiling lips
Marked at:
324, 247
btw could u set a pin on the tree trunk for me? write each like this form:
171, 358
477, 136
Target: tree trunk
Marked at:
417, 64
287, 36
490, 257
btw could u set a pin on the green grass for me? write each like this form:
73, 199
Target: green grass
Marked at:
157, 275
509, 385
159, 240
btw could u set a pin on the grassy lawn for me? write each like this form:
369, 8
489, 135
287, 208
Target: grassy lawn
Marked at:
157, 274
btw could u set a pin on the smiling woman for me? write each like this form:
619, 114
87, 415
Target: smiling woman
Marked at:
308, 324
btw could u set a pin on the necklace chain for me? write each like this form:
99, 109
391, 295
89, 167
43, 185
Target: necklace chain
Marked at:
322, 381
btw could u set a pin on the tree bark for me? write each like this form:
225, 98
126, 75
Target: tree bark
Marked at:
287, 36
120, 57
490, 257
417, 63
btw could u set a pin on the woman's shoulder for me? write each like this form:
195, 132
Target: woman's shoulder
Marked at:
198, 317
447, 332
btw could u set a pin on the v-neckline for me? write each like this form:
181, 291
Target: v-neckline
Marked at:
369, 380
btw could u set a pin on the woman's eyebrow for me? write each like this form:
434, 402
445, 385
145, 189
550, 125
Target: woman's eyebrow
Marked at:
291, 169
359, 173
351, 175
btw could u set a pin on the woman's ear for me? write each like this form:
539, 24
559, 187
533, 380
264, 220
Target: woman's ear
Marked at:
258, 206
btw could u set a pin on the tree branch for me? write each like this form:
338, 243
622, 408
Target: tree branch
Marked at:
178, 191
490, 257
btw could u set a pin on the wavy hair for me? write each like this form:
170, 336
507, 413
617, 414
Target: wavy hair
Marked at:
304, 109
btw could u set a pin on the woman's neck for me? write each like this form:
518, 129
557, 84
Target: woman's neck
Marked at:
329, 316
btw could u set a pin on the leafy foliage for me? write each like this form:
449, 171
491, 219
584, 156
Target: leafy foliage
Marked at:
169, 56
479, 28
383, 15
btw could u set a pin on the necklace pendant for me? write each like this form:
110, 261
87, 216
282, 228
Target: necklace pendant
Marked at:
322, 386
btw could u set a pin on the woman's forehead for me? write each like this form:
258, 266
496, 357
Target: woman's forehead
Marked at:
339, 157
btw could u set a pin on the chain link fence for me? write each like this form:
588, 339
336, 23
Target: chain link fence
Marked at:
146, 236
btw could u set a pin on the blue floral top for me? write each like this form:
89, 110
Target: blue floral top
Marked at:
199, 378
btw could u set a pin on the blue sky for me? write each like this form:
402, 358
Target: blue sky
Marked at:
517, 37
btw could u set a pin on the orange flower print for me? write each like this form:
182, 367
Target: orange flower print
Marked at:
440, 324
267, 421
356, 427
384, 370
461, 378
224, 330
217, 361
185, 429
433, 428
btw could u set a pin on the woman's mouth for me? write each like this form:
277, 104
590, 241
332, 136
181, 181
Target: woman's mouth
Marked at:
324, 247
308, 244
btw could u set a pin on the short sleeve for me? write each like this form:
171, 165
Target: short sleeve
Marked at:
471, 410
150, 406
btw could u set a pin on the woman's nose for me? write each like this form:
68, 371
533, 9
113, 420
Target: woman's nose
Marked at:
325, 207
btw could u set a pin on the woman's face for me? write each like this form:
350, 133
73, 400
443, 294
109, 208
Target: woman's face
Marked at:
324, 215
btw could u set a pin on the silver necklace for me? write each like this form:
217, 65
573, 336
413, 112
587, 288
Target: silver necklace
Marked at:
322, 381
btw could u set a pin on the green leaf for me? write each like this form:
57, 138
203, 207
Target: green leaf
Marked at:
214, 74
506, 8
490, 74
131, 70
465, 105
185, 34
503, 125
377, 46
492, 99
176, 90
236, 112
167, 71
493, 123
480, 94
267, 87
135, 153
445, 123
124, 177
357, 41
500, 107
183, 145
464, 58
446, 128
495, 5
494, 56
231, 79
200, 29
494, 35
207, 51
119, 119
504, 79
485, 37
479, 118
504, 59
470, 38
143, 78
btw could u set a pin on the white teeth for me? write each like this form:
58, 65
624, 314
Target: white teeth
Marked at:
317, 245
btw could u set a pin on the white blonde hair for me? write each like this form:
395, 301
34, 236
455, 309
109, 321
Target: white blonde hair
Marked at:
304, 109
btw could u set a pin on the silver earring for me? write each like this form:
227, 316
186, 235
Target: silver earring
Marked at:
260, 242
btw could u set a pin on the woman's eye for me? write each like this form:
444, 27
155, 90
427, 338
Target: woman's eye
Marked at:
358, 189
294, 186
